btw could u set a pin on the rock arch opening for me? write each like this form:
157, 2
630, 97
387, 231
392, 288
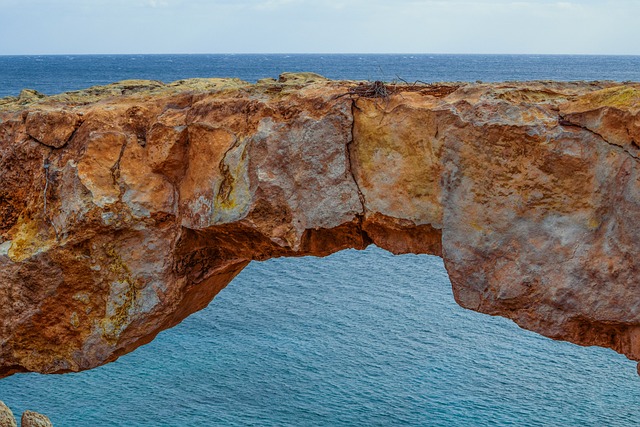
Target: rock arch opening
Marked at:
316, 340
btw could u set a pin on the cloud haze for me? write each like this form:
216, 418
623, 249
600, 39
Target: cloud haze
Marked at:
327, 26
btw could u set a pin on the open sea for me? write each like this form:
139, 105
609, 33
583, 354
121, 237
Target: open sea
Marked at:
359, 338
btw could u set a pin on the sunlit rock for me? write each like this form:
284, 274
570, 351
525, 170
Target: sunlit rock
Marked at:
125, 208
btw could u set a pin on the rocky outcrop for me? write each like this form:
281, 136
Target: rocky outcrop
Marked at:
126, 208
34, 419
29, 418
6, 416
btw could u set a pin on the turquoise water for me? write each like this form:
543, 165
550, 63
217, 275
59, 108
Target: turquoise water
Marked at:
356, 339
360, 338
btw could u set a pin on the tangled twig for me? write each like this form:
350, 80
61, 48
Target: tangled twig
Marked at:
375, 89
383, 90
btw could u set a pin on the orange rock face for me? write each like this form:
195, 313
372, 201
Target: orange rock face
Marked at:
125, 208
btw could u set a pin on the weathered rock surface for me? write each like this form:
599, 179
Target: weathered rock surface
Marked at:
125, 208
6, 416
34, 419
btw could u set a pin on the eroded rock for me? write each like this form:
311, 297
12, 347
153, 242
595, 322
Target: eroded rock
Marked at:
161, 194
6, 416
34, 419
52, 128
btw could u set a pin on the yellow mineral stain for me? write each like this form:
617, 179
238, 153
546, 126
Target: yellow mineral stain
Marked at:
28, 240
476, 226
113, 325
75, 321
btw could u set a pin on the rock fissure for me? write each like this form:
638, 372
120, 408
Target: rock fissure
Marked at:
115, 169
533, 223
52, 128
74, 132
349, 154
47, 166
562, 121
226, 184
566, 122
631, 138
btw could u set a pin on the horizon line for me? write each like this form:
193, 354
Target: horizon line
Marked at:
321, 53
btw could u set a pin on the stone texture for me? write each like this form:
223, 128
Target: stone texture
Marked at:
127, 207
6, 416
51, 128
34, 419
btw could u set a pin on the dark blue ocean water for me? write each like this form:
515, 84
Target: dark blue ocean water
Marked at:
53, 74
360, 338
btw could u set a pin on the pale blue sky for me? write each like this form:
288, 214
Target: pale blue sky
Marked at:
321, 26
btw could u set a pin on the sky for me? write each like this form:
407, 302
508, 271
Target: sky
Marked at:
319, 26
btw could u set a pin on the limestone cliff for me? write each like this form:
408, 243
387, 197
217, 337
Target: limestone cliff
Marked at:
125, 208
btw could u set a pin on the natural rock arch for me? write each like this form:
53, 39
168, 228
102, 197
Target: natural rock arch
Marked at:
127, 207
